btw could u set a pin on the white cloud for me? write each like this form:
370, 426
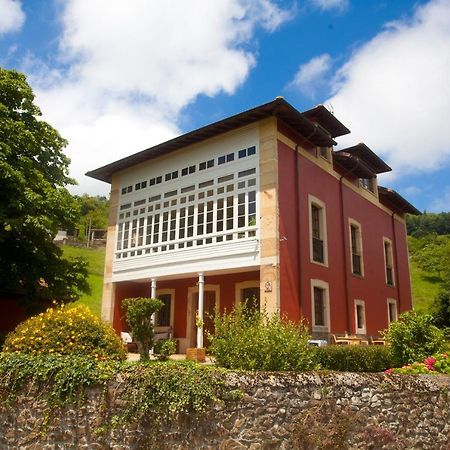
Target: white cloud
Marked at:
311, 75
133, 67
442, 203
394, 92
326, 5
11, 16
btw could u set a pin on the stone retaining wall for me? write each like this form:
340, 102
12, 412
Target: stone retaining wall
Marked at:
277, 411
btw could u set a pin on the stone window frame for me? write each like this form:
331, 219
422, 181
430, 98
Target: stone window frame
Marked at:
363, 329
170, 292
321, 284
314, 201
388, 255
241, 285
352, 223
392, 301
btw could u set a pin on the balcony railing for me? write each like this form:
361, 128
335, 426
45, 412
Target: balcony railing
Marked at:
356, 260
318, 254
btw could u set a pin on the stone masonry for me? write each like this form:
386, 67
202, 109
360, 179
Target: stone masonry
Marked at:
276, 411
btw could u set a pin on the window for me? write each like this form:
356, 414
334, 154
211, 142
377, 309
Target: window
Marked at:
164, 317
368, 183
356, 248
317, 231
320, 306
248, 291
392, 310
324, 152
221, 210
360, 317
388, 262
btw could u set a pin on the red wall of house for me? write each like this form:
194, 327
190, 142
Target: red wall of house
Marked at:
375, 223
12, 312
227, 296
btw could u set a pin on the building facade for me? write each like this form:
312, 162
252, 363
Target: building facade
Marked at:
257, 206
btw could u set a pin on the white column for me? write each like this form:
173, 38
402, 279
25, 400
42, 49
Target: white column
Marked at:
201, 287
153, 288
153, 295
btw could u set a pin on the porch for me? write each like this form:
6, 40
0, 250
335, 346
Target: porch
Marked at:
188, 301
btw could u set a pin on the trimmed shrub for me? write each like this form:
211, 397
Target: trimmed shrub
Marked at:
412, 338
66, 330
251, 340
138, 314
354, 358
164, 348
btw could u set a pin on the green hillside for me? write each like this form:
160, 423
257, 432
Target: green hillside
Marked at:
424, 288
96, 260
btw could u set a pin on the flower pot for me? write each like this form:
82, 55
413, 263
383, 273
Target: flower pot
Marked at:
196, 354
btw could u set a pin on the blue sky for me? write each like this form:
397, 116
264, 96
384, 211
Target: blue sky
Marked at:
116, 77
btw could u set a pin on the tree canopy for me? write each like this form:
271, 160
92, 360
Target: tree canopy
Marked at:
34, 202
93, 214
428, 223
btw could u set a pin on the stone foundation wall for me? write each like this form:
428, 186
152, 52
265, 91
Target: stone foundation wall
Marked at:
277, 411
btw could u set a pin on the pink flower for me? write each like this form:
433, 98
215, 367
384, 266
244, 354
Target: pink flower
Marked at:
389, 371
429, 361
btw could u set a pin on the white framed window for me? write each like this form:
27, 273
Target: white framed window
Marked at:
388, 262
392, 310
320, 306
317, 231
208, 206
248, 291
360, 317
356, 248
164, 317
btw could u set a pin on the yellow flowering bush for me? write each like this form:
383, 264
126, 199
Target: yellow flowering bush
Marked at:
66, 330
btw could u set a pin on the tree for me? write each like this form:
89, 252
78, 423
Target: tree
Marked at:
138, 314
93, 214
34, 202
432, 254
441, 306
428, 223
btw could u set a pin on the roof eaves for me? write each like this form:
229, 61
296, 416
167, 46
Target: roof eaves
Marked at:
393, 197
278, 108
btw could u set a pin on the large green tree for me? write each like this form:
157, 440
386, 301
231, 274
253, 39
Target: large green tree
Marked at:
34, 202
93, 214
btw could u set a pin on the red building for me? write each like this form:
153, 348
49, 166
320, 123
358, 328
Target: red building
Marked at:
258, 206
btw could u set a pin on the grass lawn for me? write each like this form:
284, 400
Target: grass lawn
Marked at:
96, 260
424, 288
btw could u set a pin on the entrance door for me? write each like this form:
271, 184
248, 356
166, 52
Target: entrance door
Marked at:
209, 305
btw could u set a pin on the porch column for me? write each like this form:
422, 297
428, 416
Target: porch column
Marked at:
153, 288
199, 318
153, 295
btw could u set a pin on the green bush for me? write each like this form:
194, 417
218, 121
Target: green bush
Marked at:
354, 358
169, 389
251, 340
164, 348
138, 314
433, 365
412, 338
66, 330
61, 378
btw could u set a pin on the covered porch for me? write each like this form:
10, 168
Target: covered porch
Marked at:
189, 301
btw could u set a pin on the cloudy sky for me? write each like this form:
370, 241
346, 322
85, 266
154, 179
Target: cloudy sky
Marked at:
116, 77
